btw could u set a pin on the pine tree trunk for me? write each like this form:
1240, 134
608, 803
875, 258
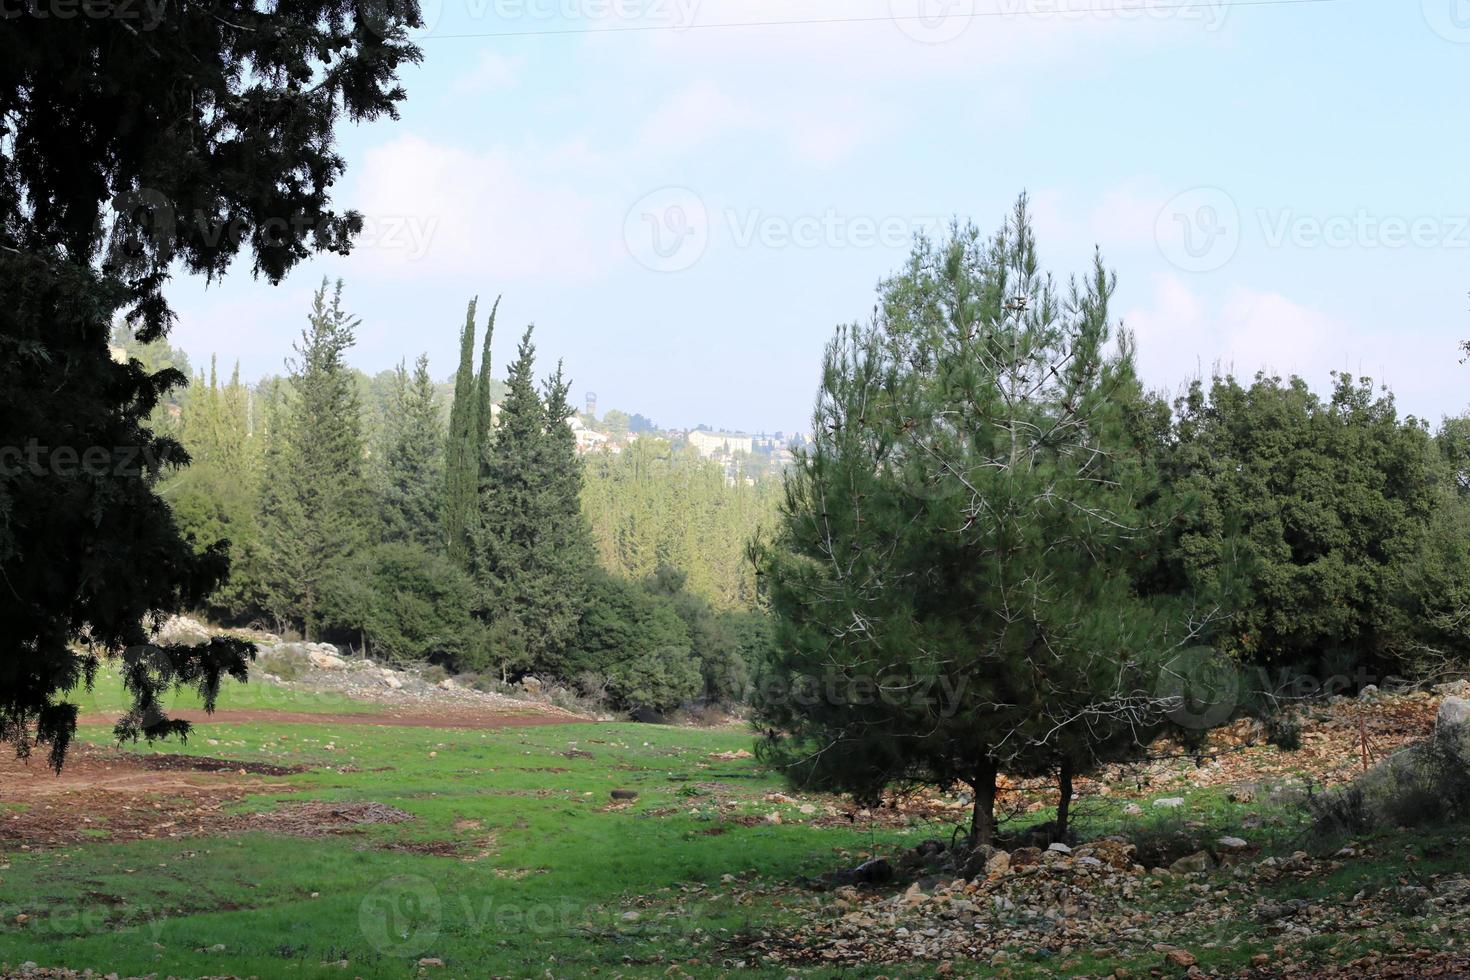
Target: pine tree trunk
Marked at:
982, 825
1064, 807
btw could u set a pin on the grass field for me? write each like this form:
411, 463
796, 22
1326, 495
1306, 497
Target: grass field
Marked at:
517, 862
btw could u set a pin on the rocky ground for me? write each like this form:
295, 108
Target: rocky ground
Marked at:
321, 668
1106, 902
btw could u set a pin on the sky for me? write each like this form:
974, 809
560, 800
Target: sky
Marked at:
686, 207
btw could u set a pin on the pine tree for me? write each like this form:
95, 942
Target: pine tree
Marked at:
315, 504
461, 459
952, 575
413, 486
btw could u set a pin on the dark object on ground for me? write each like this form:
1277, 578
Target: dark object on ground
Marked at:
625, 794
649, 716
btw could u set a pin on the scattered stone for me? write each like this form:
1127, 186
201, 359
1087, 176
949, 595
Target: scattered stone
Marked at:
1060, 848
1181, 958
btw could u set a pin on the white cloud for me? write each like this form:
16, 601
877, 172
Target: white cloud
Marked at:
493, 74
1182, 336
435, 210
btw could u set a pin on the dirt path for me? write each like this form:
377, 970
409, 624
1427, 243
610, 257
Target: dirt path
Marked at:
412, 717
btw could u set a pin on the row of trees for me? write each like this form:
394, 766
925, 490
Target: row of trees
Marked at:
459, 537
1003, 555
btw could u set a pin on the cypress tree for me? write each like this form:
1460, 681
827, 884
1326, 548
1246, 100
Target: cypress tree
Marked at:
484, 417
461, 458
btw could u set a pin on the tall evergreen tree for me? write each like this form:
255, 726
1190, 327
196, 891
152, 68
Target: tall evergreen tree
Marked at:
461, 455
315, 504
484, 414
533, 550
564, 543
413, 486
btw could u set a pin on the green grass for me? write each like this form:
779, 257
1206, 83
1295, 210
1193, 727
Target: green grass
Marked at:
549, 894
514, 865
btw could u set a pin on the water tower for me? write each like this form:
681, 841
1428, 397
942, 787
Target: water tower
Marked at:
592, 403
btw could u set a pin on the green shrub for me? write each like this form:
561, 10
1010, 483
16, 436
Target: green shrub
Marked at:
408, 605
660, 679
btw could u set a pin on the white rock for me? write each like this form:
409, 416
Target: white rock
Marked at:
1170, 802
1453, 712
1060, 848
1232, 843
1132, 810
322, 660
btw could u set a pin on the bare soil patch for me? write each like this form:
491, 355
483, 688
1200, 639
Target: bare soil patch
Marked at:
108, 794
410, 717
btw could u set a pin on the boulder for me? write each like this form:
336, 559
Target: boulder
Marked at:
182, 630
1170, 802
1454, 712
323, 656
1232, 844
1197, 863
531, 685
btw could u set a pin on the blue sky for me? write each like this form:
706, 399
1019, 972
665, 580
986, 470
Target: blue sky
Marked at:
687, 213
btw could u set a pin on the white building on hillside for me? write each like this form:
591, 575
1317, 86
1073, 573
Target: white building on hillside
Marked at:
719, 443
